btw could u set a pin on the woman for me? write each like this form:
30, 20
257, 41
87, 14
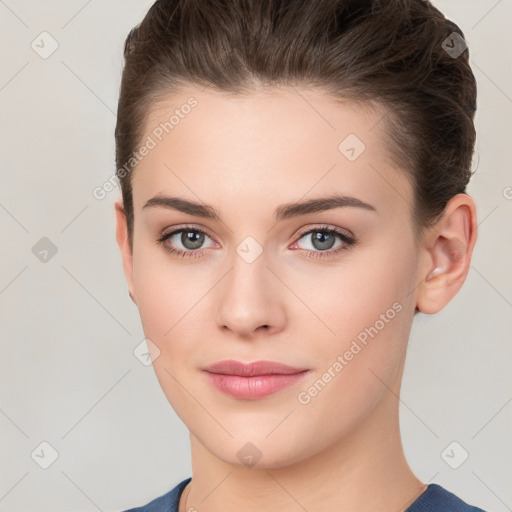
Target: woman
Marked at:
293, 193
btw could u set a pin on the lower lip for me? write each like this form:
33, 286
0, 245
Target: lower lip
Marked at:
252, 388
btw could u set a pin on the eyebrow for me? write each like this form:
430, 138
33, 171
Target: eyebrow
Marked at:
282, 212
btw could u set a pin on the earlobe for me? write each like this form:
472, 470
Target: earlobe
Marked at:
123, 242
448, 247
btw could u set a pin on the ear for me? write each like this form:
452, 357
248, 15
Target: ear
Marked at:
124, 246
447, 247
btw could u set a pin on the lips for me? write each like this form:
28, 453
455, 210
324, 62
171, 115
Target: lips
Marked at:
252, 381
231, 367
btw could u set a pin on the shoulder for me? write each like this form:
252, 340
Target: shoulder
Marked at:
437, 499
168, 502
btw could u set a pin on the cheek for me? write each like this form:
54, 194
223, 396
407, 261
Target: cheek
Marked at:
169, 303
172, 301
159, 292
367, 305
365, 288
370, 312
380, 303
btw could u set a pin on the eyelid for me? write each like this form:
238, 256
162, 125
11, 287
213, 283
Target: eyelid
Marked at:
326, 227
184, 227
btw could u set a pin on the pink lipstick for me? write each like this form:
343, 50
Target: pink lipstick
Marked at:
254, 380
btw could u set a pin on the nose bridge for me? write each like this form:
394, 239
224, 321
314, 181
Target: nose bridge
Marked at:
248, 280
248, 298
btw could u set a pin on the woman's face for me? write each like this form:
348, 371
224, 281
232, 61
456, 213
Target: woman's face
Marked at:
266, 282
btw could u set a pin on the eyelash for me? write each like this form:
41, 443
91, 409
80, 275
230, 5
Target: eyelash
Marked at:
347, 240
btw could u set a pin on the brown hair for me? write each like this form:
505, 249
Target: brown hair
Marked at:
393, 52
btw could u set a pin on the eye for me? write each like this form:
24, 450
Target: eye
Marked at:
322, 240
190, 238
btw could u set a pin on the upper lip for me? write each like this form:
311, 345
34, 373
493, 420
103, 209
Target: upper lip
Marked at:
231, 367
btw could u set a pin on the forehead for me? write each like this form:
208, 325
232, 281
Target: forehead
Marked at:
280, 144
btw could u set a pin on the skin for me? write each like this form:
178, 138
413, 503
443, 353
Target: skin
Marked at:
245, 156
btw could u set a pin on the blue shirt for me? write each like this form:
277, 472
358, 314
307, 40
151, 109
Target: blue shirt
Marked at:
434, 499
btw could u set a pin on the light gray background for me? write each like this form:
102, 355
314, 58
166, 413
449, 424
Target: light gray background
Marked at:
68, 328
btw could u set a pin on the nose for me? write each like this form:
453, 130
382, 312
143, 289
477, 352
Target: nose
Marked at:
250, 300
